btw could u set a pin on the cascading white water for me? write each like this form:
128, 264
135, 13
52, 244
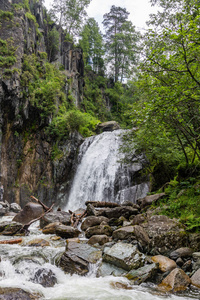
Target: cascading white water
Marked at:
19, 263
99, 171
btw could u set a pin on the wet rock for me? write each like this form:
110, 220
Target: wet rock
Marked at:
116, 212
120, 285
77, 257
125, 256
30, 212
17, 294
14, 207
116, 221
4, 208
58, 216
187, 267
51, 228
38, 243
181, 252
148, 200
93, 221
66, 231
165, 264
143, 274
106, 269
195, 279
98, 230
11, 228
98, 239
45, 277
176, 281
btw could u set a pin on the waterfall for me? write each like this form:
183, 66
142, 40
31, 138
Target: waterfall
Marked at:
100, 176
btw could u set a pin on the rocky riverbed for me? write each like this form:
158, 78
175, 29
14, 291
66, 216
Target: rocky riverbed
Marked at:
127, 241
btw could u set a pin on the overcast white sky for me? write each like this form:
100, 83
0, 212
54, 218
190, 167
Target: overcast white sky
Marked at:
139, 10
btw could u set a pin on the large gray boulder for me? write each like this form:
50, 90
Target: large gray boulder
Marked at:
143, 274
98, 230
124, 256
30, 212
77, 257
107, 126
66, 232
117, 212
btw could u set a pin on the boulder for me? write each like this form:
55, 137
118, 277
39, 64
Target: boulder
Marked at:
58, 216
4, 208
195, 279
38, 243
116, 212
124, 256
98, 230
176, 281
106, 269
93, 221
107, 126
137, 220
66, 231
30, 212
45, 277
196, 259
91, 211
131, 232
143, 274
148, 200
14, 207
98, 239
16, 294
11, 228
51, 228
165, 264
183, 252
77, 257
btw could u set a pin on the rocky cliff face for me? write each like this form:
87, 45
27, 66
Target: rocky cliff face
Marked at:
26, 164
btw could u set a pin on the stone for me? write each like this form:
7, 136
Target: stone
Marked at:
77, 257
98, 230
195, 279
117, 212
93, 221
107, 126
131, 232
187, 266
30, 212
148, 200
14, 207
45, 277
98, 239
58, 216
176, 281
194, 241
17, 294
12, 228
106, 269
38, 243
124, 256
66, 231
91, 211
181, 252
137, 220
51, 228
165, 264
143, 274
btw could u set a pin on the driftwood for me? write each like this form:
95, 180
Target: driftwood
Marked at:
76, 218
102, 204
43, 205
13, 241
26, 226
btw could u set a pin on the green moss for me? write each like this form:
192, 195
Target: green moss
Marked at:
7, 57
5, 15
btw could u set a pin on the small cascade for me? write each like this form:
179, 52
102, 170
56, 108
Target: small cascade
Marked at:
100, 176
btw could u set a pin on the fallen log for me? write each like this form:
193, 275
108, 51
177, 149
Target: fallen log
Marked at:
102, 204
79, 218
43, 205
11, 242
